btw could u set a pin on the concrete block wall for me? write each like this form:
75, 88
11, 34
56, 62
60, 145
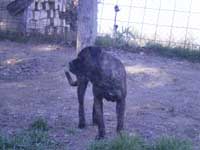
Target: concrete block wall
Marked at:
8, 22
45, 16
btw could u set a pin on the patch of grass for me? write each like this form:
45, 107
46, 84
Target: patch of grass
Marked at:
28, 140
104, 41
99, 145
171, 143
123, 142
34, 37
71, 131
35, 138
13, 36
123, 39
175, 52
126, 40
40, 124
126, 142
119, 42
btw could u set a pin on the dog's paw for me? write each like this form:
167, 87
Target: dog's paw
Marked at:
81, 126
99, 137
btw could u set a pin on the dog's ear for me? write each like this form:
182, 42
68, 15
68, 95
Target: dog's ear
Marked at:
95, 51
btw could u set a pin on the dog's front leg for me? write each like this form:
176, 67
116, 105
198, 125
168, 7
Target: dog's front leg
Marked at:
94, 116
120, 110
98, 104
82, 85
98, 109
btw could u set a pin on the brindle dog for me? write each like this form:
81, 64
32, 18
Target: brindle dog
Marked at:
108, 77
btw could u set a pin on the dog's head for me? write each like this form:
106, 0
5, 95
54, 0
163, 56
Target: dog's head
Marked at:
75, 66
86, 61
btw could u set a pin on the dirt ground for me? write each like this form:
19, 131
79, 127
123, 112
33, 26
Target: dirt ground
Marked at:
163, 95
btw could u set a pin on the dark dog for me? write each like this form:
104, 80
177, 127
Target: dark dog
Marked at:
108, 77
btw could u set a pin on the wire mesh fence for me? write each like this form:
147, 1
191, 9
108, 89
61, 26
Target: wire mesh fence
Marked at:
47, 18
168, 22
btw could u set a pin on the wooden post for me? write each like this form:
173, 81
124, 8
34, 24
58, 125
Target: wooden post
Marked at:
87, 23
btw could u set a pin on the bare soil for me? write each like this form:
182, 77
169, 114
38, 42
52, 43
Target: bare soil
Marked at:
163, 95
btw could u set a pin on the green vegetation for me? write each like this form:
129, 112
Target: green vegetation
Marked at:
172, 143
123, 142
126, 142
40, 124
105, 41
35, 138
71, 131
32, 37
12, 36
174, 52
127, 40
124, 39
